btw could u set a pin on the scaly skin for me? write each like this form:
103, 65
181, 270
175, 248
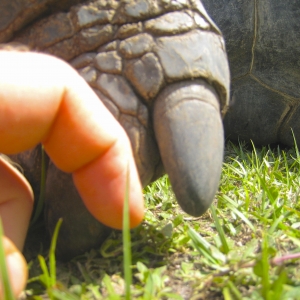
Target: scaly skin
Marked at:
80, 136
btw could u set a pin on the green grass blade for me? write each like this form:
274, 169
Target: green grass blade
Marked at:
64, 295
234, 291
220, 230
127, 242
243, 218
45, 277
226, 294
4, 279
52, 260
202, 246
296, 145
110, 289
149, 289
262, 269
276, 223
278, 285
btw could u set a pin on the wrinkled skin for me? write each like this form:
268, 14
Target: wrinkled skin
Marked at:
263, 43
161, 69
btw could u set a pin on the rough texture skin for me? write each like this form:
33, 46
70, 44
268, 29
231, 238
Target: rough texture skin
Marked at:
263, 43
161, 69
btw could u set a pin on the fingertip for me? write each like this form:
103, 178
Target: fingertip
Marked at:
102, 185
136, 197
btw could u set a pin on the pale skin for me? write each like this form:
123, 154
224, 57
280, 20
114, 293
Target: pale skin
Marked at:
43, 100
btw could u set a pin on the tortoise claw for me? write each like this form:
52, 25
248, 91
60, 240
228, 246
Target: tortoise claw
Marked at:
187, 120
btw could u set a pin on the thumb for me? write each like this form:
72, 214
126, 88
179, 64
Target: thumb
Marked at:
17, 268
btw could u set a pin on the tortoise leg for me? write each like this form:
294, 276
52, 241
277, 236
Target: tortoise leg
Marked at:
187, 117
63, 201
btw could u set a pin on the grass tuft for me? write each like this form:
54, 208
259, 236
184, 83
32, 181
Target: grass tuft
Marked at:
247, 246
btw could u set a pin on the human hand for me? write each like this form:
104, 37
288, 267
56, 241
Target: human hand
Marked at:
42, 99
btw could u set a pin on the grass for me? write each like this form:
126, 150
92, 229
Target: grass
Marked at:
246, 246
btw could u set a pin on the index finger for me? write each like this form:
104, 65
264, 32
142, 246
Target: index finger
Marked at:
42, 99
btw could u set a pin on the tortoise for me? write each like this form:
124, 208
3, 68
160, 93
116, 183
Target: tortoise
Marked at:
263, 43
160, 67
